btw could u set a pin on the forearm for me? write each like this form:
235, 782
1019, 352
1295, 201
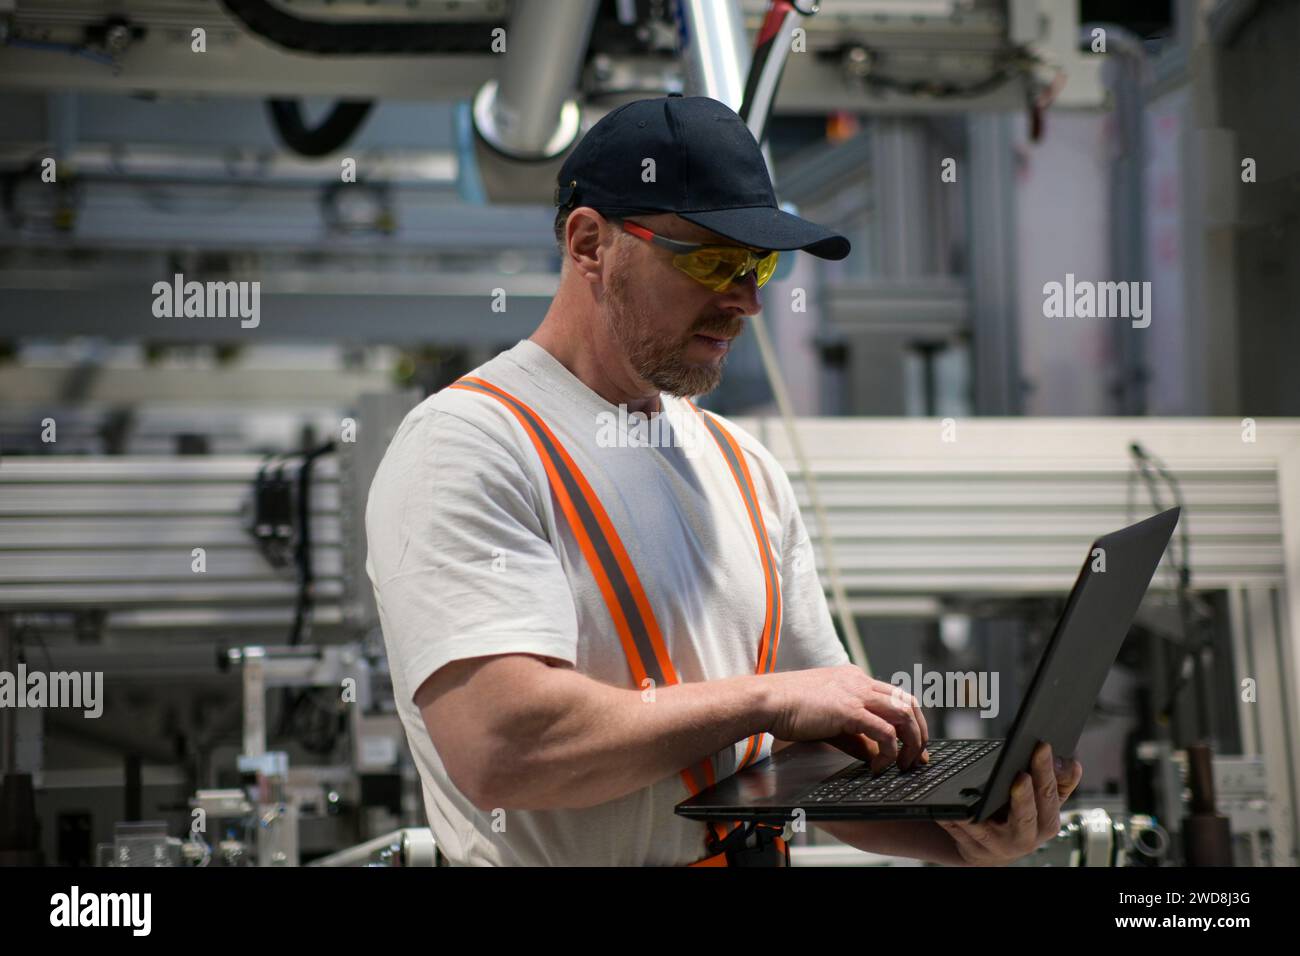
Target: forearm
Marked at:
578, 742
913, 839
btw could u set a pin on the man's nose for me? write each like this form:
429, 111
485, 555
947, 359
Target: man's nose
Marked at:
742, 296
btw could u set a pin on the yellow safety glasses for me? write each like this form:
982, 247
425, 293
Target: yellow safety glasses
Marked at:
714, 266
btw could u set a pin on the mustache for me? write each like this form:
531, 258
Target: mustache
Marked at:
723, 326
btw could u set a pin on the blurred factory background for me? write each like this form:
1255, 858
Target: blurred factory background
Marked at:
181, 497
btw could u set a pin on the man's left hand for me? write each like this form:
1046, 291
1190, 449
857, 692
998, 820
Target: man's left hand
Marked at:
1033, 819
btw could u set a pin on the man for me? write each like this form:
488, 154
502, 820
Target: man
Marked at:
585, 626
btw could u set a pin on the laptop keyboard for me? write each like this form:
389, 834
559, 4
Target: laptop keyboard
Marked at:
855, 784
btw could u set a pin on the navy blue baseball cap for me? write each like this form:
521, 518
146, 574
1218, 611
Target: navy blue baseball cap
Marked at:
707, 168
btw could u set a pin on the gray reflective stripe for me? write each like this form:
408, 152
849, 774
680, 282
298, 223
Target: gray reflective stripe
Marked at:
764, 546
622, 590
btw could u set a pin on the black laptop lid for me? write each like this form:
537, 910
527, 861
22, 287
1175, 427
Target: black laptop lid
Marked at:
1097, 616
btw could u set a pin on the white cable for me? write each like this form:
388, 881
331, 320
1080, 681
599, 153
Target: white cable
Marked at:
857, 652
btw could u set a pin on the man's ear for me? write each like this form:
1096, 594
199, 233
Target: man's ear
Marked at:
583, 245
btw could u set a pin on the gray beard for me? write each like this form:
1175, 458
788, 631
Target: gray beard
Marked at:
662, 364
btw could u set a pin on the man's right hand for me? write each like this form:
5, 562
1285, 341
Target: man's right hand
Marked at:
860, 715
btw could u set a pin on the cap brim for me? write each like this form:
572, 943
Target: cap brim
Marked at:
765, 227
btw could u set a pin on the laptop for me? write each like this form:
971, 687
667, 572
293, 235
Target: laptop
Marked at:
967, 779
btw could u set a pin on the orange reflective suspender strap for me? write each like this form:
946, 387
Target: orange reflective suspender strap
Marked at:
771, 635
634, 620
717, 859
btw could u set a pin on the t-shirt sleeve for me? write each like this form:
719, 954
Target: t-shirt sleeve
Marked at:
808, 637
459, 554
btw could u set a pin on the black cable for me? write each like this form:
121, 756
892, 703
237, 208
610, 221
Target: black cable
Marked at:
330, 134
1191, 646
302, 549
259, 511
1184, 536
361, 37
279, 526
777, 11
291, 701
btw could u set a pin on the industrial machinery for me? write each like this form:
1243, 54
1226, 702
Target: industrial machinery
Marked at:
985, 528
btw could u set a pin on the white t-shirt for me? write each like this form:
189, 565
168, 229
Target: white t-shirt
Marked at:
470, 555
